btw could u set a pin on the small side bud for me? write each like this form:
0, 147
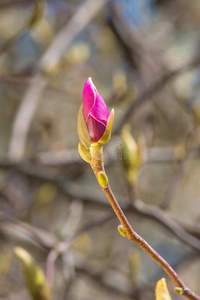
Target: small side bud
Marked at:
162, 292
103, 179
84, 153
34, 276
178, 290
107, 134
122, 231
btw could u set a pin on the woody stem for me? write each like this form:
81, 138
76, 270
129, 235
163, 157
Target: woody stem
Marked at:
97, 166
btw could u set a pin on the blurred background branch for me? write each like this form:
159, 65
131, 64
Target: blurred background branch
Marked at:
47, 63
143, 57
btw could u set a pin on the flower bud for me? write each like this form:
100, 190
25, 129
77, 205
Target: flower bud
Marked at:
95, 111
94, 121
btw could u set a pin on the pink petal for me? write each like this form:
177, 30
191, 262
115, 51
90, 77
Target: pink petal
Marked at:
96, 129
95, 111
89, 97
100, 111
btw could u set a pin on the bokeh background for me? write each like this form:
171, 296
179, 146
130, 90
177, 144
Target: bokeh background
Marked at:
144, 58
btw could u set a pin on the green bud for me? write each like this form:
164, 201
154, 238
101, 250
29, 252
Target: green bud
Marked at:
107, 134
103, 179
84, 152
178, 290
130, 149
131, 155
122, 231
83, 130
34, 276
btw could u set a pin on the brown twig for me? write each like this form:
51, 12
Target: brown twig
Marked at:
97, 166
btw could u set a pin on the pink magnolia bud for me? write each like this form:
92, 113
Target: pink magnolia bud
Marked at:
95, 111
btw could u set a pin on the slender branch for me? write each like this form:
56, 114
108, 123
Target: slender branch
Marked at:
97, 166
